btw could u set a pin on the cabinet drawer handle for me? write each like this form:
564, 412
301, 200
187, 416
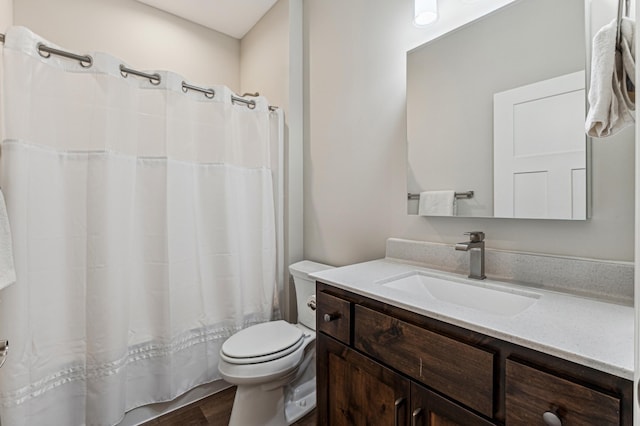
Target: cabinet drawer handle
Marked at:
551, 419
331, 317
415, 415
397, 405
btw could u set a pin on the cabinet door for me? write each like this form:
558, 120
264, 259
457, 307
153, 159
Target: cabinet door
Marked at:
430, 409
358, 391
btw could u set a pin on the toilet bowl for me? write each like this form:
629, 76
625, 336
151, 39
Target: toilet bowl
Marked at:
273, 363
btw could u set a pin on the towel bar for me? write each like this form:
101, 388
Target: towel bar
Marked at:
4, 349
459, 195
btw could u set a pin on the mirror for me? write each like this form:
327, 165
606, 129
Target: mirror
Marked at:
495, 115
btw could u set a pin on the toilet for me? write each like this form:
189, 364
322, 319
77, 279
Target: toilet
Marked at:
273, 363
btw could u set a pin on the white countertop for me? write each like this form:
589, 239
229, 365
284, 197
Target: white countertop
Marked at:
593, 333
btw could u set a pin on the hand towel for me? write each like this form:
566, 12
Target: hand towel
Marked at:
437, 203
612, 78
7, 268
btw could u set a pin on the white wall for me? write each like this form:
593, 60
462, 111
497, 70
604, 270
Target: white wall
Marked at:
271, 63
355, 148
142, 36
6, 14
264, 56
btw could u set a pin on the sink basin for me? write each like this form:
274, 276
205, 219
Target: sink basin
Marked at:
481, 296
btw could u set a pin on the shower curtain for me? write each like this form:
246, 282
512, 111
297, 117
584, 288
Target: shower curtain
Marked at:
144, 234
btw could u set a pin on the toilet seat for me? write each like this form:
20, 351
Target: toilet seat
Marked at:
262, 343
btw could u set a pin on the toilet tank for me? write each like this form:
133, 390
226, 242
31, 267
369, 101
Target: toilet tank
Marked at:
306, 289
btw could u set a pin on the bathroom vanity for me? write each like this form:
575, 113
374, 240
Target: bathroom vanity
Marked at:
388, 356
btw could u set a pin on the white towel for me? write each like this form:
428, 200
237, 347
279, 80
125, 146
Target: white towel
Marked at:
7, 268
611, 108
437, 203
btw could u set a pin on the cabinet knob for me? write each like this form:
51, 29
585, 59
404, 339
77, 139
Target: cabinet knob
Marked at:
331, 317
551, 419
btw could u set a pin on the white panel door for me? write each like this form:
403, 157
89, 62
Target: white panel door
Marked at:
539, 150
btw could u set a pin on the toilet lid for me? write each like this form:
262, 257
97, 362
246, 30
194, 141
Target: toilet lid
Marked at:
260, 340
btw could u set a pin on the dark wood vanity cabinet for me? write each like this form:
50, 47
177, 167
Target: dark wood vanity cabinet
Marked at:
382, 365
361, 391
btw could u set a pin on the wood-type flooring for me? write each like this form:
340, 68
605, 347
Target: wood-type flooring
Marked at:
214, 410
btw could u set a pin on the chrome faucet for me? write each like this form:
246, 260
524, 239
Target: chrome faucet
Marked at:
476, 246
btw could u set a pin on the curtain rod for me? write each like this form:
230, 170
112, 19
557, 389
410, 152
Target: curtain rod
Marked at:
86, 61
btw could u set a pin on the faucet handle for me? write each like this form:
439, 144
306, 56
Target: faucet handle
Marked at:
475, 236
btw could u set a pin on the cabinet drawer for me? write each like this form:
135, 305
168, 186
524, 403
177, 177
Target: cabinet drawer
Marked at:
532, 392
461, 371
333, 316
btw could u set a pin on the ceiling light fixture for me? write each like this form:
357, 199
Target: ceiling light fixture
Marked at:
425, 12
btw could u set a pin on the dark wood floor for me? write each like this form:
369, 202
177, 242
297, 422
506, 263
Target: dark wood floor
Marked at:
212, 411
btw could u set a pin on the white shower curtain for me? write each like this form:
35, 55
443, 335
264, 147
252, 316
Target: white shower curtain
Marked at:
144, 235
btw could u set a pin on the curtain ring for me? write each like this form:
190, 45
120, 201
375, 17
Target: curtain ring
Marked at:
41, 52
86, 63
155, 79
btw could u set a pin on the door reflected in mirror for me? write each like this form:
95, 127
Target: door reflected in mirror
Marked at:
496, 109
